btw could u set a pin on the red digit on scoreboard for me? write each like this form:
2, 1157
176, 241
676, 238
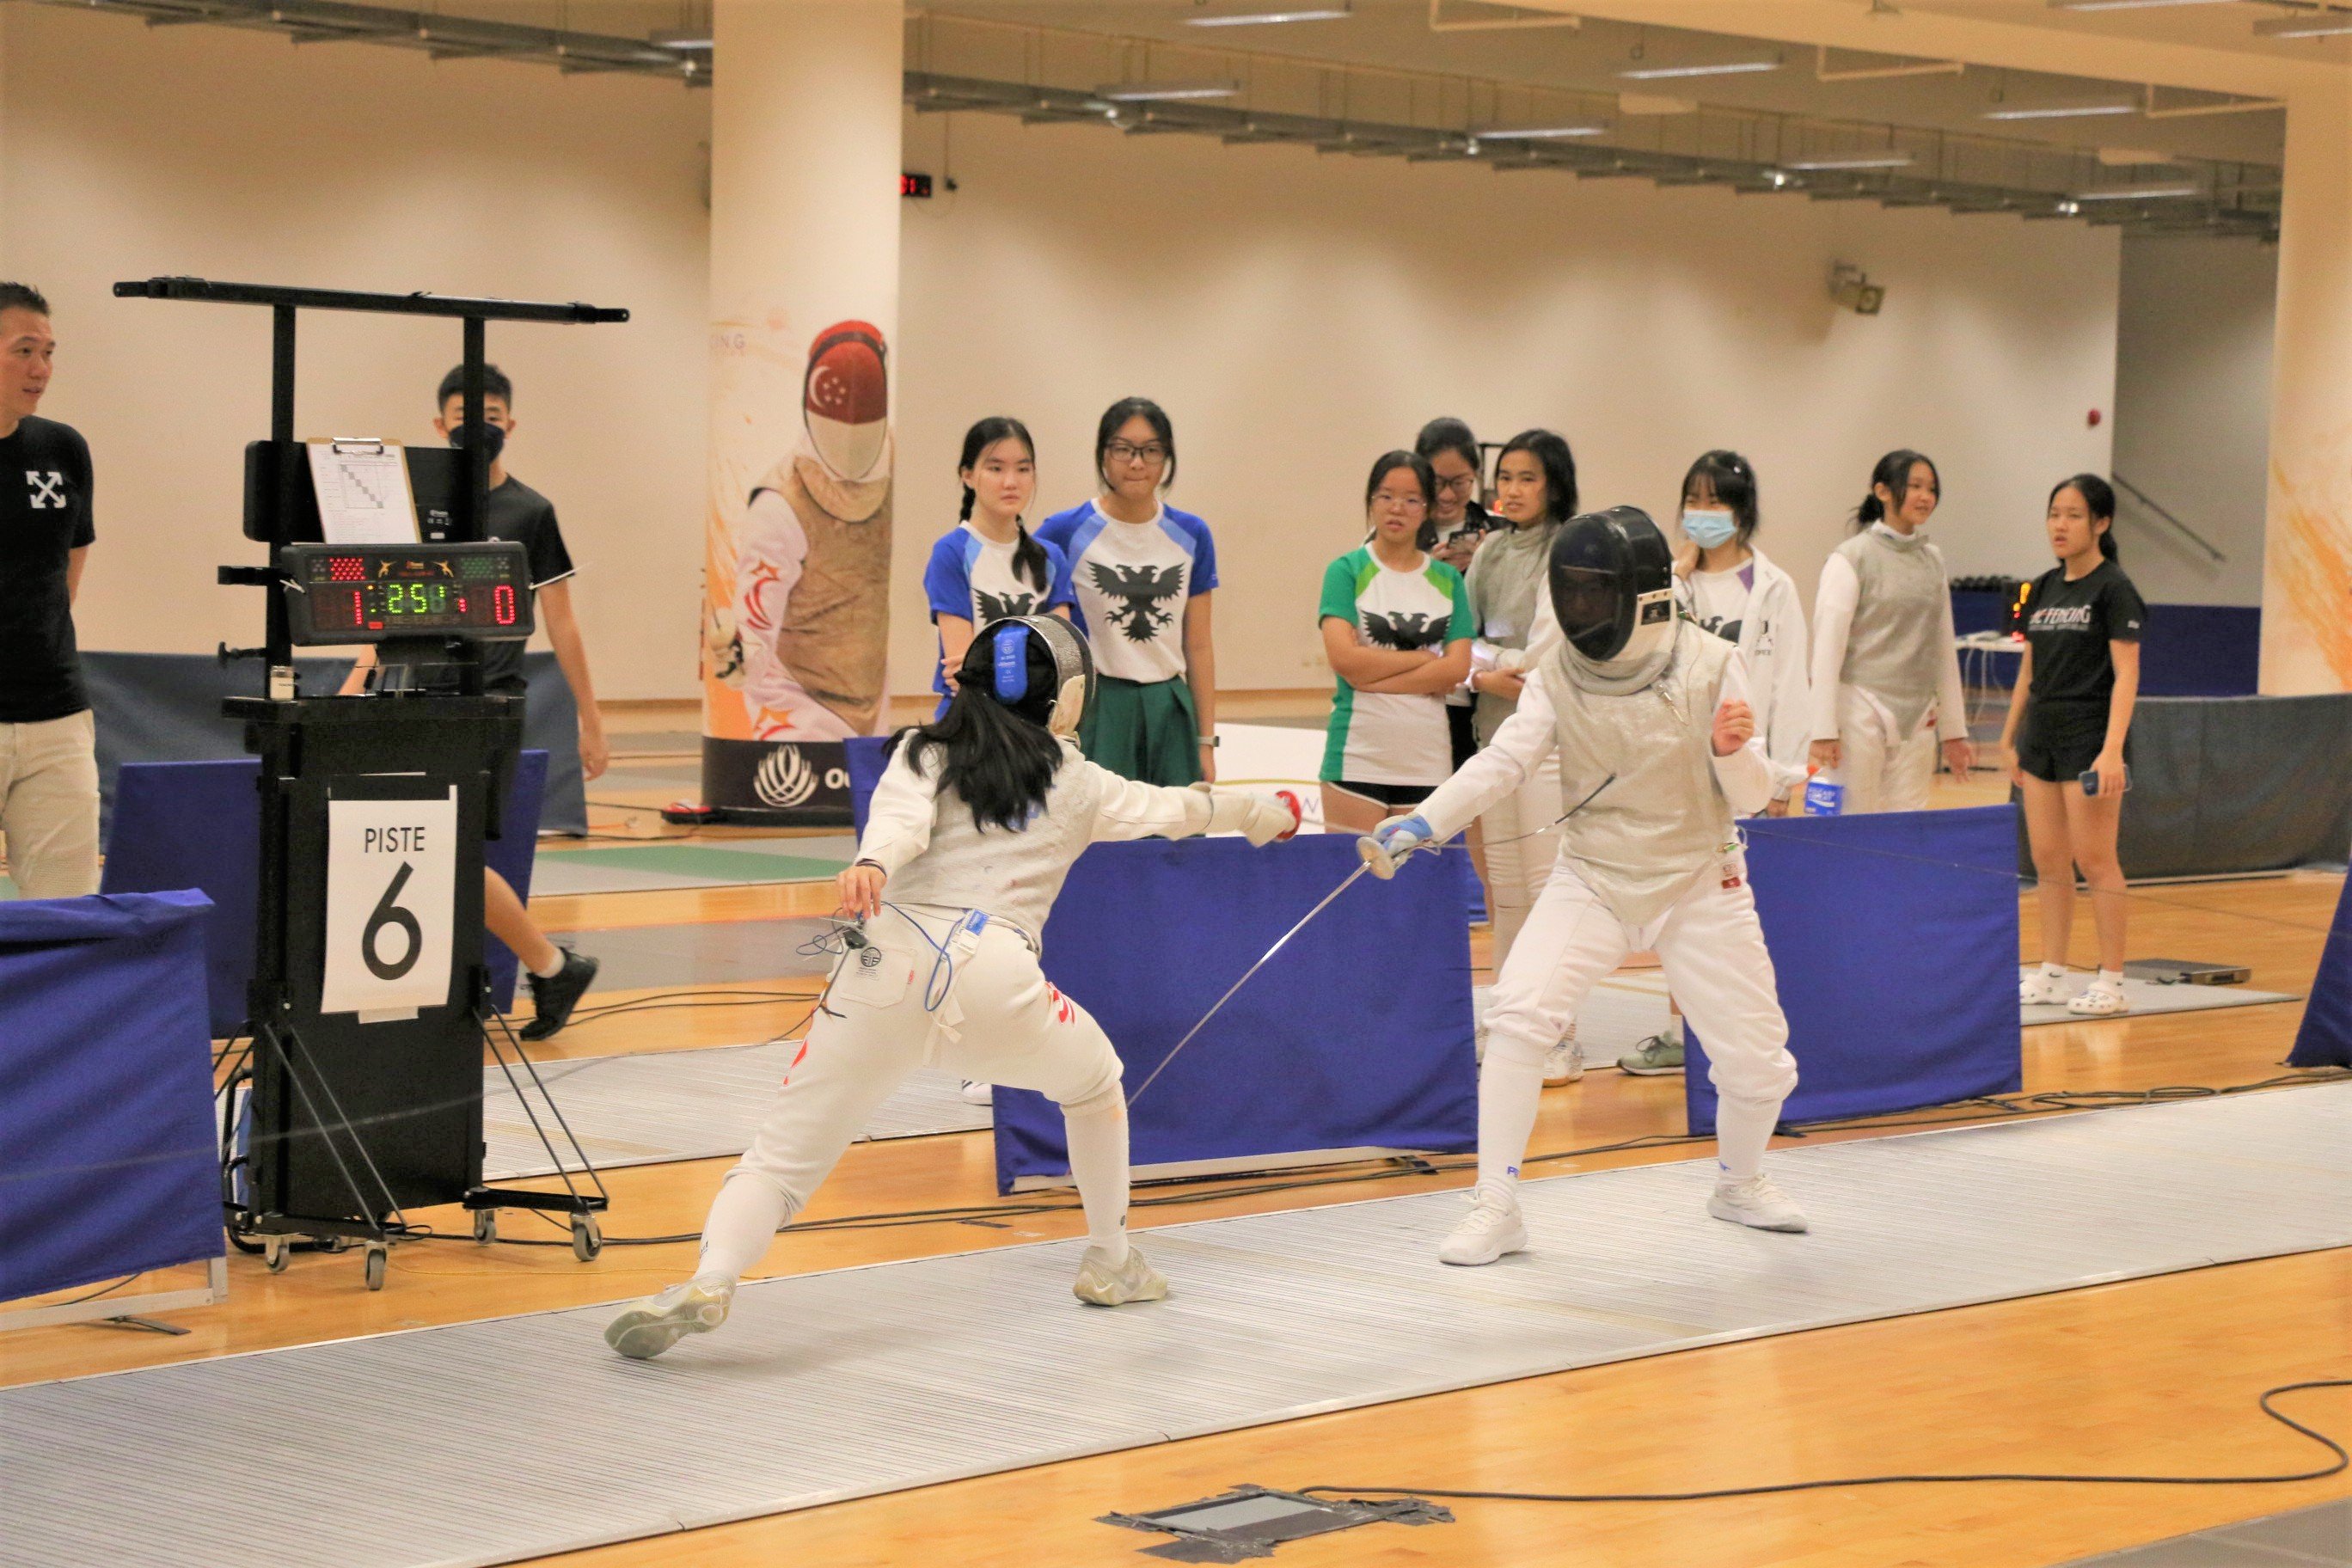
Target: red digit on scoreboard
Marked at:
502, 605
359, 610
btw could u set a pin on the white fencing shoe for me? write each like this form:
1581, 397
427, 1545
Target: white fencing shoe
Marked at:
1491, 1229
1564, 1063
1102, 1283
1755, 1203
647, 1327
2040, 988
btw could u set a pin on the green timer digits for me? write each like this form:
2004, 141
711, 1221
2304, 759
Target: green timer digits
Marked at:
349, 594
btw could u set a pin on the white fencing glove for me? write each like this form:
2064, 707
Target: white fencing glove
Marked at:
1392, 842
1259, 818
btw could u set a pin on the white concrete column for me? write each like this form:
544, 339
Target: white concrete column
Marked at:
2307, 541
805, 314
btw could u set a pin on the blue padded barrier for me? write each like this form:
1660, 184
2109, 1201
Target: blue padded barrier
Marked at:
1894, 939
198, 824
2326, 1037
108, 1161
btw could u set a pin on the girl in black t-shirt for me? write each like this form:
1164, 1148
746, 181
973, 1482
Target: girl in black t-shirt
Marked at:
2068, 721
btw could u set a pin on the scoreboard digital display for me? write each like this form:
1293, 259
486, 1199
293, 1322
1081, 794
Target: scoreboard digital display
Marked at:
349, 594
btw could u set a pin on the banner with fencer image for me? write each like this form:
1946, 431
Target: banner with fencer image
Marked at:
797, 615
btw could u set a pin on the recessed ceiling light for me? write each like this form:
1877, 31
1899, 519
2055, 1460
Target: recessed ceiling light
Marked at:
1540, 132
1269, 18
1729, 67
1857, 161
2138, 193
2321, 24
2058, 110
1167, 91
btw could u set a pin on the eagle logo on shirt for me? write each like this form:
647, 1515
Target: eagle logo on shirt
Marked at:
1404, 630
1141, 589
995, 607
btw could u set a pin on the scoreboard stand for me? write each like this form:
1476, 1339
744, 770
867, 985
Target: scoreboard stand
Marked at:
369, 1013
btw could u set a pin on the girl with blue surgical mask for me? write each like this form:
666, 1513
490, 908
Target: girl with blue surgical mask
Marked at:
1733, 590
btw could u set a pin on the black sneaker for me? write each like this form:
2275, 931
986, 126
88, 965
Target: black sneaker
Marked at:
553, 998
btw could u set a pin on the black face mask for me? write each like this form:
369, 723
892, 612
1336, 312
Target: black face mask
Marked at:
494, 440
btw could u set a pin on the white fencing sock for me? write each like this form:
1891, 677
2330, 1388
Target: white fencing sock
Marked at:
744, 1219
1510, 1088
1742, 1130
1095, 1131
2109, 980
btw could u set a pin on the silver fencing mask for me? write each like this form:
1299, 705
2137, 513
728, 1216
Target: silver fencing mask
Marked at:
1613, 585
1038, 665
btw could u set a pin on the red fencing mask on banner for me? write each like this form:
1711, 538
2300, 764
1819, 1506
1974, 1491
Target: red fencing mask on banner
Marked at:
846, 399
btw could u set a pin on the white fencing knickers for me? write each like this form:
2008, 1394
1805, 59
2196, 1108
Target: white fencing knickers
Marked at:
995, 1019
1882, 773
1711, 947
1522, 841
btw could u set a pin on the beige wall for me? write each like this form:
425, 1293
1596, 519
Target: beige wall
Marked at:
1297, 314
2193, 412
132, 152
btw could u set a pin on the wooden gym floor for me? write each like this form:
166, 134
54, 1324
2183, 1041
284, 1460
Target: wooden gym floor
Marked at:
2156, 1375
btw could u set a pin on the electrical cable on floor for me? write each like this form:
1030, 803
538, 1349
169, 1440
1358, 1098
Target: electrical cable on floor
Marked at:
2342, 1459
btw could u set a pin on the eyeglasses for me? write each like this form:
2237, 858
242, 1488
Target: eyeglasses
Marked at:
1151, 455
1401, 502
1461, 485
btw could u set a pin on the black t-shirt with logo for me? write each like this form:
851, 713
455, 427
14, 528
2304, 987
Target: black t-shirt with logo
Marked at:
521, 513
2069, 625
45, 516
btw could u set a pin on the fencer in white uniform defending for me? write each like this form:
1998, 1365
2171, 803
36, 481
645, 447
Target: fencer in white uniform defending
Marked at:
970, 833
1649, 719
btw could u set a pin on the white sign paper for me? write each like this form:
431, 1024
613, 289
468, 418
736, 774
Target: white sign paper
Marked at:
391, 902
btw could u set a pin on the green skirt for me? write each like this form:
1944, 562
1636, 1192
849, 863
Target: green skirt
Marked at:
1149, 732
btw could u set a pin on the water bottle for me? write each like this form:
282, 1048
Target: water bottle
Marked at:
1824, 795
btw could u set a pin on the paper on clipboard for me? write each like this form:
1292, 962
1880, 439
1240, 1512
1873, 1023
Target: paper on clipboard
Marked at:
363, 495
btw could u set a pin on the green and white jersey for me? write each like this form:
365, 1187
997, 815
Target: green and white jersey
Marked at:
1392, 737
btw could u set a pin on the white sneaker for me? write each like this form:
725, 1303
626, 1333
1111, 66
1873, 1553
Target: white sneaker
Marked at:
1102, 1283
649, 1327
976, 1093
2099, 1001
2040, 988
1492, 1228
1755, 1203
1564, 1063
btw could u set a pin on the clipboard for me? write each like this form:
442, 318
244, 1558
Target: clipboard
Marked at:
363, 492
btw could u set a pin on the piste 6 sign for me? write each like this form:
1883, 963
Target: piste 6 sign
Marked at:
391, 901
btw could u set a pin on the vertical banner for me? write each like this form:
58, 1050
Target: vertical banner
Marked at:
804, 280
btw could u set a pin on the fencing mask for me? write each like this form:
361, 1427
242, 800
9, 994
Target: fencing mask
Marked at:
1038, 665
1613, 585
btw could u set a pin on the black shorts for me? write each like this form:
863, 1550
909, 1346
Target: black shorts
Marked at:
1397, 797
1462, 725
2059, 745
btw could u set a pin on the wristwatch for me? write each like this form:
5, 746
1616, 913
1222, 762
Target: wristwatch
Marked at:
1210, 740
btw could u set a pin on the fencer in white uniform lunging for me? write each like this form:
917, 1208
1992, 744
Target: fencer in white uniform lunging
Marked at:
971, 831
1650, 720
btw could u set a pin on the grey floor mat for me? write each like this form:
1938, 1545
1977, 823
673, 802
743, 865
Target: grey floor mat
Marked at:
493, 1441
2146, 997
656, 1107
705, 953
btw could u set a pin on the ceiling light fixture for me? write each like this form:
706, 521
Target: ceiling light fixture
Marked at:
1540, 132
2060, 110
2320, 24
1729, 67
1270, 18
1167, 91
2138, 193
1858, 160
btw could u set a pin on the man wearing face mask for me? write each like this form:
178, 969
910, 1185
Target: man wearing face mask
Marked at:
1651, 721
558, 976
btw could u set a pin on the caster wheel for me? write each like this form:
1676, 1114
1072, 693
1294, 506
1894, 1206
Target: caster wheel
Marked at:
485, 1226
275, 1255
587, 1241
377, 1261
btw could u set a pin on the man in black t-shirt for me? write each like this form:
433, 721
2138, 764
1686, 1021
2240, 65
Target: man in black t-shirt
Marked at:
49, 764
518, 513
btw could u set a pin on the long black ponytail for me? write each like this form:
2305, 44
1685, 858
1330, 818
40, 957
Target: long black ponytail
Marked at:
1000, 759
1028, 556
1894, 471
2099, 500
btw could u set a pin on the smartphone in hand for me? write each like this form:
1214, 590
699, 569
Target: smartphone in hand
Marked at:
2091, 782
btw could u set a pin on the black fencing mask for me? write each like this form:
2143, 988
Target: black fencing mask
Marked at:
1038, 665
1612, 585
